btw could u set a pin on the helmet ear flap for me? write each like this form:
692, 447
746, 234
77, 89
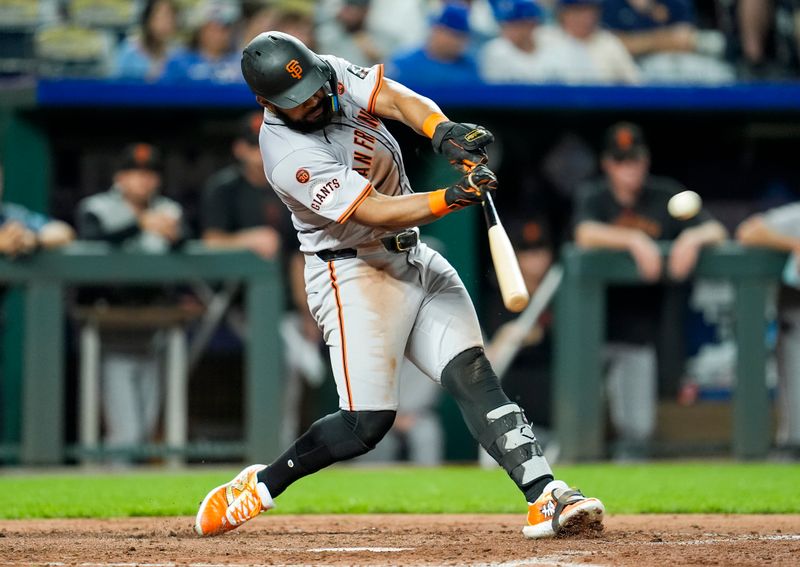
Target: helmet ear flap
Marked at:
333, 84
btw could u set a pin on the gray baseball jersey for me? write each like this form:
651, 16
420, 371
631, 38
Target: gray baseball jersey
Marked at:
785, 219
323, 176
380, 307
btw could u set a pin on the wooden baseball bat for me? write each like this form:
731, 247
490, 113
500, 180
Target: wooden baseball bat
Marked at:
509, 276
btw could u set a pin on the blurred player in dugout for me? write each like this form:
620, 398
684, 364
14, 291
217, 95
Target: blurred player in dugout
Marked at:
240, 210
133, 216
779, 228
626, 209
23, 231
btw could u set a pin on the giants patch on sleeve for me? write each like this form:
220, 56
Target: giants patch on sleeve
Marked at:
359, 72
323, 194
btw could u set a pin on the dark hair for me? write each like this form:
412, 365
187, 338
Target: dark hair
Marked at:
150, 43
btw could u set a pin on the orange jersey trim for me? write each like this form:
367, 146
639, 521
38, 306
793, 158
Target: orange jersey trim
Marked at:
356, 203
375, 90
340, 312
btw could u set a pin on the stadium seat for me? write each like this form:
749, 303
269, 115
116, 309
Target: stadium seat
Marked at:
19, 20
114, 14
66, 50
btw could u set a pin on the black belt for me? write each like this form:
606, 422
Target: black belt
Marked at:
396, 243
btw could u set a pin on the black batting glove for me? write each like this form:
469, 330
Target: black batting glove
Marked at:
462, 144
471, 188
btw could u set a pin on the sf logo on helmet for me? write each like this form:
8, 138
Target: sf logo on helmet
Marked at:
294, 69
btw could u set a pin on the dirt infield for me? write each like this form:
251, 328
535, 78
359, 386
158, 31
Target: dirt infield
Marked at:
401, 540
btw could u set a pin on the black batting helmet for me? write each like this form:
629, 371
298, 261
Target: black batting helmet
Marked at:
280, 68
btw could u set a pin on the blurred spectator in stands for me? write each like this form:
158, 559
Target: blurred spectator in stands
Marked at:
240, 210
296, 17
211, 55
577, 41
132, 215
626, 209
779, 228
383, 18
516, 56
23, 231
143, 55
256, 19
754, 18
548, 10
345, 35
444, 58
513, 57
766, 36
664, 38
483, 25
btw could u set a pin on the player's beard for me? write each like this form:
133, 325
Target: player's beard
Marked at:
305, 125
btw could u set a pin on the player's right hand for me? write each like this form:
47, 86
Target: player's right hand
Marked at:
263, 240
162, 223
462, 144
15, 239
647, 255
683, 255
471, 188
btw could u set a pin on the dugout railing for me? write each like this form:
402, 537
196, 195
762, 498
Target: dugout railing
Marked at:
43, 279
579, 337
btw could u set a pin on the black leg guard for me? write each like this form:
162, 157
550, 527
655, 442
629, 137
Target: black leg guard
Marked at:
336, 437
496, 422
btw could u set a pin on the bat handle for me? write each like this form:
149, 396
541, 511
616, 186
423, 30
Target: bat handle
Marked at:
489, 210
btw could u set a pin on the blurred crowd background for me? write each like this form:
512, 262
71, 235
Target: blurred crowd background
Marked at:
154, 176
498, 41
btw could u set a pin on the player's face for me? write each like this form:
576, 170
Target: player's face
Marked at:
446, 44
162, 22
215, 38
313, 114
520, 33
580, 21
627, 177
137, 185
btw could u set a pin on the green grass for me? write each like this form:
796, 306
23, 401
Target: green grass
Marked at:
709, 487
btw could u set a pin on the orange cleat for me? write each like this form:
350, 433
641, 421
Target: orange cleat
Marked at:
230, 505
561, 509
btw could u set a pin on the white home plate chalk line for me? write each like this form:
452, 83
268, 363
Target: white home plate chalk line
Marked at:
372, 549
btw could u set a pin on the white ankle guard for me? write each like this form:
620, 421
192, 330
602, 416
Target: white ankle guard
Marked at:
510, 441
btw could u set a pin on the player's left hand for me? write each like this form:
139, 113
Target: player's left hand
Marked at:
462, 144
470, 189
683, 256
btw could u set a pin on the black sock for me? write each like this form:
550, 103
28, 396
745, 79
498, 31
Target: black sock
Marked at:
534, 490
336, 437
284, 471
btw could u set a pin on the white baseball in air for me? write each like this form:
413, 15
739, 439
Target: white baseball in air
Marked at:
684, 205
